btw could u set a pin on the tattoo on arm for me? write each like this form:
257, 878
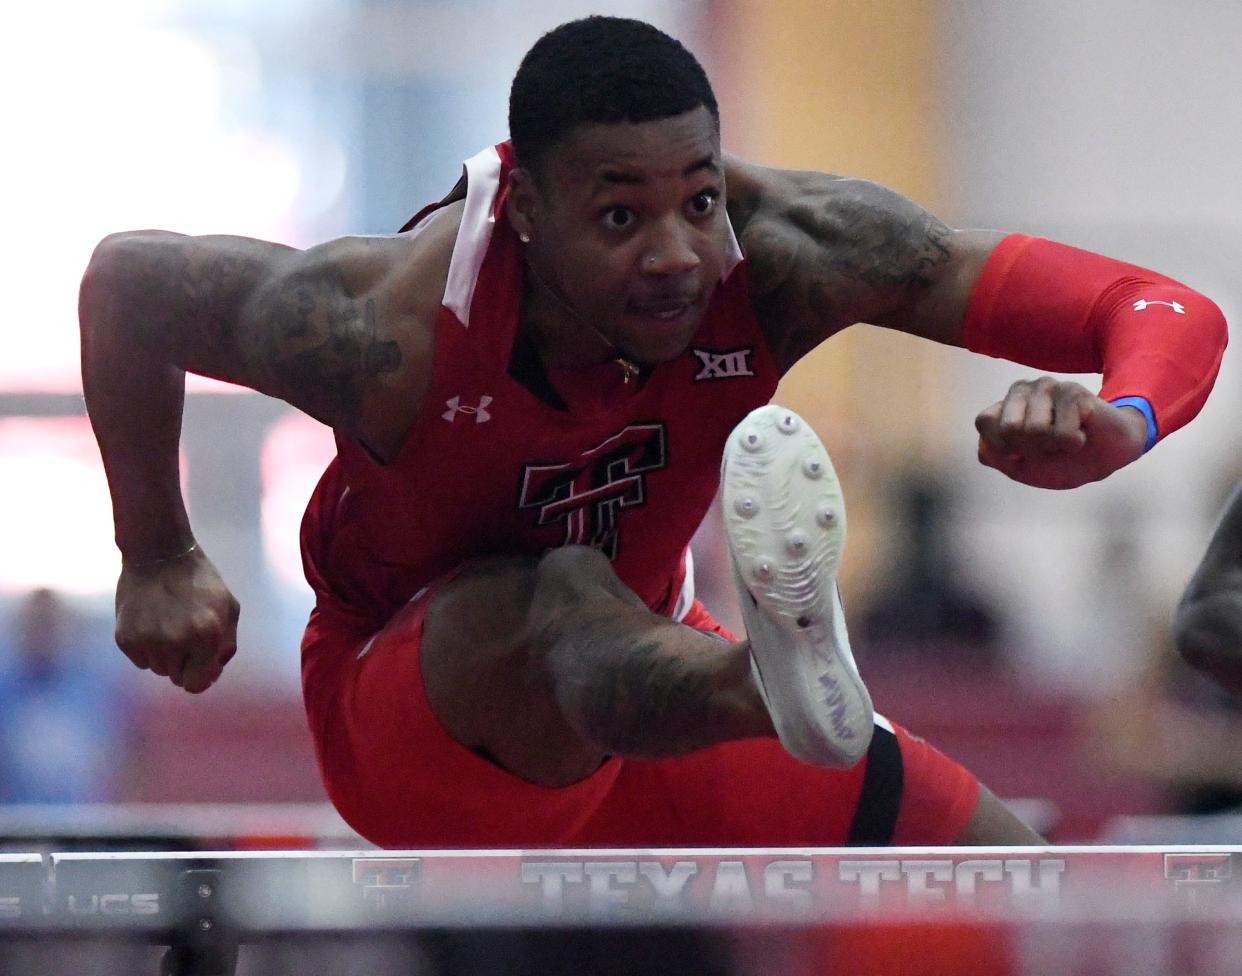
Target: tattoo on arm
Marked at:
249, 312
835, 257
884, 248
796, 309
324, 348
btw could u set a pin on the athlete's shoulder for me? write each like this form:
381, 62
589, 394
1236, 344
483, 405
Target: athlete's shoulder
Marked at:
397, 281
405, 271
429, 253
763, 196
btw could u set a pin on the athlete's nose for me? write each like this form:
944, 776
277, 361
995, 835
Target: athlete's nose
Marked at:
670, 248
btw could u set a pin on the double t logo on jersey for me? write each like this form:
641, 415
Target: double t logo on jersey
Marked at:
588, 493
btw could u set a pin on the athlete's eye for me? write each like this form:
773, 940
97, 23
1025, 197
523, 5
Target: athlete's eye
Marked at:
618, 218
704, 202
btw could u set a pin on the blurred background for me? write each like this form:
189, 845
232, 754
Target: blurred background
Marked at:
1024, 632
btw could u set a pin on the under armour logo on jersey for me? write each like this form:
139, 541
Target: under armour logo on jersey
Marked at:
723, 365
479, 413
1143, 303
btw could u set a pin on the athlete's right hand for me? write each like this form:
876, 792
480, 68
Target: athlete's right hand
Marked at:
178, 619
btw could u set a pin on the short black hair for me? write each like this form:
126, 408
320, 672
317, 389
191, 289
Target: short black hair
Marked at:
600, 70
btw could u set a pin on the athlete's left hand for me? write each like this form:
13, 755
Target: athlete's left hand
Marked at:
1057, 434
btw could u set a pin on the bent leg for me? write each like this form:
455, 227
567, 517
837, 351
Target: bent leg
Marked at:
548, 668
403, 778
905, 792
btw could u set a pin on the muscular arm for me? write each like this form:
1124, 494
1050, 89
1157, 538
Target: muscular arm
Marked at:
343, 331
1208, 623
825, 252
328, 330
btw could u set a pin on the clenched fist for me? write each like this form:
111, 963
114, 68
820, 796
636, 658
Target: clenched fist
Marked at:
177, 618
1057, 434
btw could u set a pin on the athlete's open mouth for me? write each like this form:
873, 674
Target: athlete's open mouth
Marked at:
671, 313
666, 310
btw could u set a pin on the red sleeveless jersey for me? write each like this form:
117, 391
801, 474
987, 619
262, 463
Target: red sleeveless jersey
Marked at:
491, 468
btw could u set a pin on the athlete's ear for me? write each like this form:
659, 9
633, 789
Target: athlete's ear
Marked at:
522, 202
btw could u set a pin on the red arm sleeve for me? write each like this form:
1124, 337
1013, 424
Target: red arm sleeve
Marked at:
1063, 309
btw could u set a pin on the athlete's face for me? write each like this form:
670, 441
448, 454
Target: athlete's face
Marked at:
627, 222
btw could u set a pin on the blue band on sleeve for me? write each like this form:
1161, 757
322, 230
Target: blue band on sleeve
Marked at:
1142, 406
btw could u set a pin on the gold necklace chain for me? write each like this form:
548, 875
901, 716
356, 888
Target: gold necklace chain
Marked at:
629, 368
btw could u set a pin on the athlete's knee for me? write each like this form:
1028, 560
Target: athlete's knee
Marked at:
485, 673
575, 565
474, 624
486, 595
573, 577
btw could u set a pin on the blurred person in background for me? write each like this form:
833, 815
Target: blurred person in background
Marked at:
1207, 627
62, 707
532, 391
922, 605
1178, 729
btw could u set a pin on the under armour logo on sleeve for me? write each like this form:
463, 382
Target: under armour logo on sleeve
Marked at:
1143, 303
455, 406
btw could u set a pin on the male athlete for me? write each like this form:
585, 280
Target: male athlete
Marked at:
536, 391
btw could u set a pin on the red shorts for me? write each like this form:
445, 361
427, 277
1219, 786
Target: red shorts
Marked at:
400, 780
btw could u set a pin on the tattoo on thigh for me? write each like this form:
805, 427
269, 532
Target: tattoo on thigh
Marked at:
647, 700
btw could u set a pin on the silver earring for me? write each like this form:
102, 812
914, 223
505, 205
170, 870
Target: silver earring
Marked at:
524, 237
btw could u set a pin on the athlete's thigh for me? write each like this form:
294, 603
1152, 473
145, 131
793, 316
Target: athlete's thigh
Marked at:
389, 765
485, 676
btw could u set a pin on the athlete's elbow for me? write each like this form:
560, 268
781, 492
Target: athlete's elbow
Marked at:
115, 274
105, 269
98, 284
1215, 326
124, 249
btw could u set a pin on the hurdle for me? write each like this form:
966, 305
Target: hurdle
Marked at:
1036, 910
